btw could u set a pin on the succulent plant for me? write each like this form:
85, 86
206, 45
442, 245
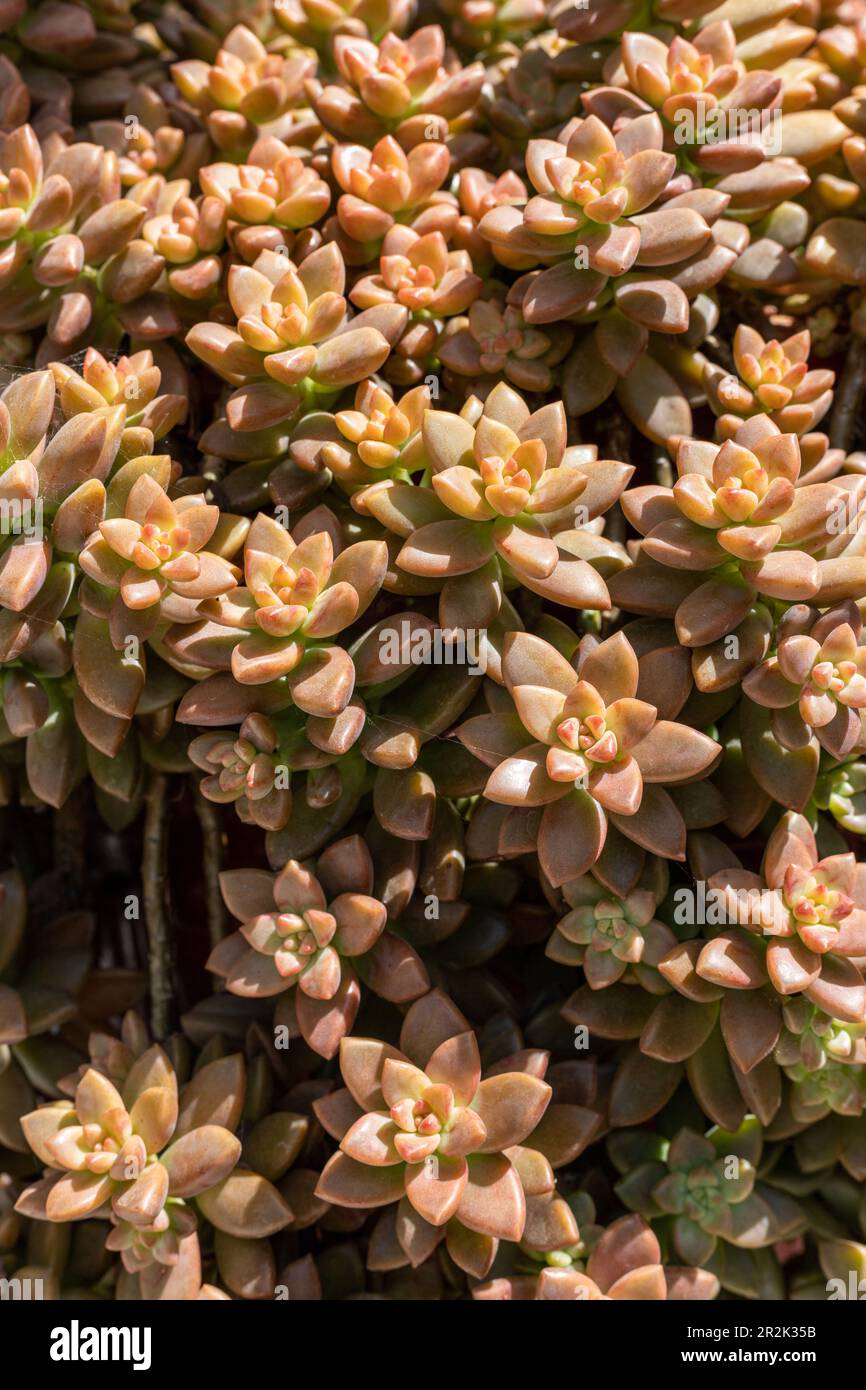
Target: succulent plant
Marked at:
372, 438
707, 1184
188, 233
625, 1263
436, 1139
72, 259
614, 938
432, 516
504, 490
595, 752
398, 86
133, 382
773, 379
157, 548
383, 187
317, 930
806, 911
289, 337
581, 222
536, 90
246, 88
494, 21
823, 1060
824, 653
111, 1149
245, 769
497, 341
276, 188
421, 274
695, 84
297, 596
310, 21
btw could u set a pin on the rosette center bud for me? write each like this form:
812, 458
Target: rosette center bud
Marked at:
421, 1122
817, 906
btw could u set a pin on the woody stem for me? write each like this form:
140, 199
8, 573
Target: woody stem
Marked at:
615, 435
849, 393
721, 352
160, 948
211, 853
70, 842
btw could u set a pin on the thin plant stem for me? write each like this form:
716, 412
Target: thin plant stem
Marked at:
211, 848
160, 947
721, 351
70, 843
615, 436
849, 393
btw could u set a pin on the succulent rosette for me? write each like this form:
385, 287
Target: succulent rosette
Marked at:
244, 768
152, 1201
614, 938
496, 341
626, 248
108, 1149
157, 548
432, 283
738, 501
291, 336
54, 495
741, 1009
132, 382
296, 596
737, 530
800, 924
504, 500
823, 1060
820, 665
317, 23
376, 436
590, 186
247, 89
274, 768
840, 790
432, 574
319, 931
274, 189
421, 274
624, 1263
535, 91
432, 1136
71, 259
143, 1248
36, 202
773, 378
578, 743
707, 1185
189, 233
397, 86
571, 1121
153, 146
386, 186
702, 91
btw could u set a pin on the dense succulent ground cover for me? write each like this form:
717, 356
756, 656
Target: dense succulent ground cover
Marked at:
432, 664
